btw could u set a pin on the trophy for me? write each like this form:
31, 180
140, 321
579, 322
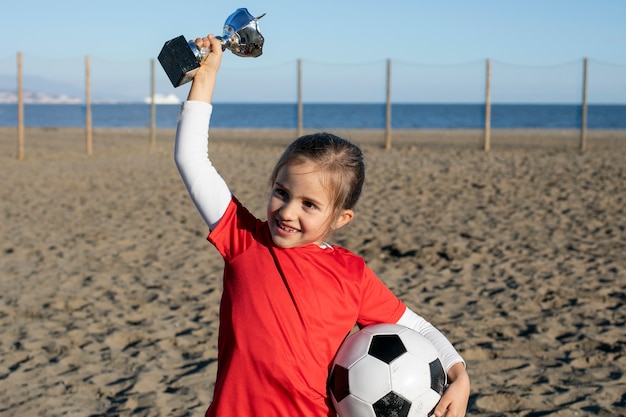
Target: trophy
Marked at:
181, 59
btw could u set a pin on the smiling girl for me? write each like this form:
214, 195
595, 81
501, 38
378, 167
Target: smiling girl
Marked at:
290, 298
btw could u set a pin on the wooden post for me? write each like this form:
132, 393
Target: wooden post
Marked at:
152, 107
488, 107
300, 111
388, 108
583, 121
20, 109
88, 124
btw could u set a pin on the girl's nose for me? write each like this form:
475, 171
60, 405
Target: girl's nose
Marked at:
287, 211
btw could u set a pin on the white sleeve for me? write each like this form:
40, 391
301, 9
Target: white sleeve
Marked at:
206, 187
447, 353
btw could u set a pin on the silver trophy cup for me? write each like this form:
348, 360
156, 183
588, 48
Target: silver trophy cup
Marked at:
181, 59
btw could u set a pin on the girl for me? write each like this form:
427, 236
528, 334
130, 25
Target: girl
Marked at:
289, 298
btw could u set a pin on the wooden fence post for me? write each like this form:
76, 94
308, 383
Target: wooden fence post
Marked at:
152, 107
388, 108
583, 121
88, 122
487, 145
20, 109
300, 110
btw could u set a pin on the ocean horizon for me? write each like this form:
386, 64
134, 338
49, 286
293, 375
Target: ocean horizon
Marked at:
326, 116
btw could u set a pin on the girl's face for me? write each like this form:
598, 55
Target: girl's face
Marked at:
300, 210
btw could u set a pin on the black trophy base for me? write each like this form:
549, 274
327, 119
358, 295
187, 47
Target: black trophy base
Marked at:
178, 61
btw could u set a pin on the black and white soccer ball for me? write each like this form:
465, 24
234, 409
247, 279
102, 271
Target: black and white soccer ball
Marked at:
386, 370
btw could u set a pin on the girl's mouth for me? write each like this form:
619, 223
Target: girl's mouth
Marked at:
283, 227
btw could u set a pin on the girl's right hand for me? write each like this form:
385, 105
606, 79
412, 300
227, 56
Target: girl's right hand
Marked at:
214, 45
204, 81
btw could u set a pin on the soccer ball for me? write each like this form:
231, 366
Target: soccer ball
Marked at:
386, 370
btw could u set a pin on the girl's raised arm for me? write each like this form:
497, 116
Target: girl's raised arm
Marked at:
206, 187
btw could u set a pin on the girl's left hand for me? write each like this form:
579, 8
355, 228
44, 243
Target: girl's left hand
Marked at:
454, 400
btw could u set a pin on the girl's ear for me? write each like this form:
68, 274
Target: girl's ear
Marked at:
344, 218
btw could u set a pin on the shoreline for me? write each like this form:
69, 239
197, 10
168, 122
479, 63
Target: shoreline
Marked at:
39, 142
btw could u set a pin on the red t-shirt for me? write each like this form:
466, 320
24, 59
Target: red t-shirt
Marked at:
283, 315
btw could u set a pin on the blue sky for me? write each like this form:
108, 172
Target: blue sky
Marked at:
343, 46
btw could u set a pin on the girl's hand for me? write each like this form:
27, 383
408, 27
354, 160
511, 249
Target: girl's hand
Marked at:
203, 82
454, 400
213, 59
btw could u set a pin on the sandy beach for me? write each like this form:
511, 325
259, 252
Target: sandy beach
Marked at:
109, 292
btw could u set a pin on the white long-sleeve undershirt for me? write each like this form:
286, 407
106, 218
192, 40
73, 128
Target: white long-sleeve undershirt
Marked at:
447, 353
206, 187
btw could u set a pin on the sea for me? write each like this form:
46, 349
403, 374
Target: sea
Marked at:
326, 116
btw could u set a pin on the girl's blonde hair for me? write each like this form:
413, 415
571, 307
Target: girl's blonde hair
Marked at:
339, 159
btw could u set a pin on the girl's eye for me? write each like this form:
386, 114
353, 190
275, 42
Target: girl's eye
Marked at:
308, 204
279, 192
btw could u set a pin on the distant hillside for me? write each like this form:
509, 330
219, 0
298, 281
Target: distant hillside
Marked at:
44, 85
44, 90
7, 97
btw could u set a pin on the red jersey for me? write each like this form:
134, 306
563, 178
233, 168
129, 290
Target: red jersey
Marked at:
283, 315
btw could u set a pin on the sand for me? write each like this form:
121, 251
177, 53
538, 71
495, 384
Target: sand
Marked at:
109, 292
